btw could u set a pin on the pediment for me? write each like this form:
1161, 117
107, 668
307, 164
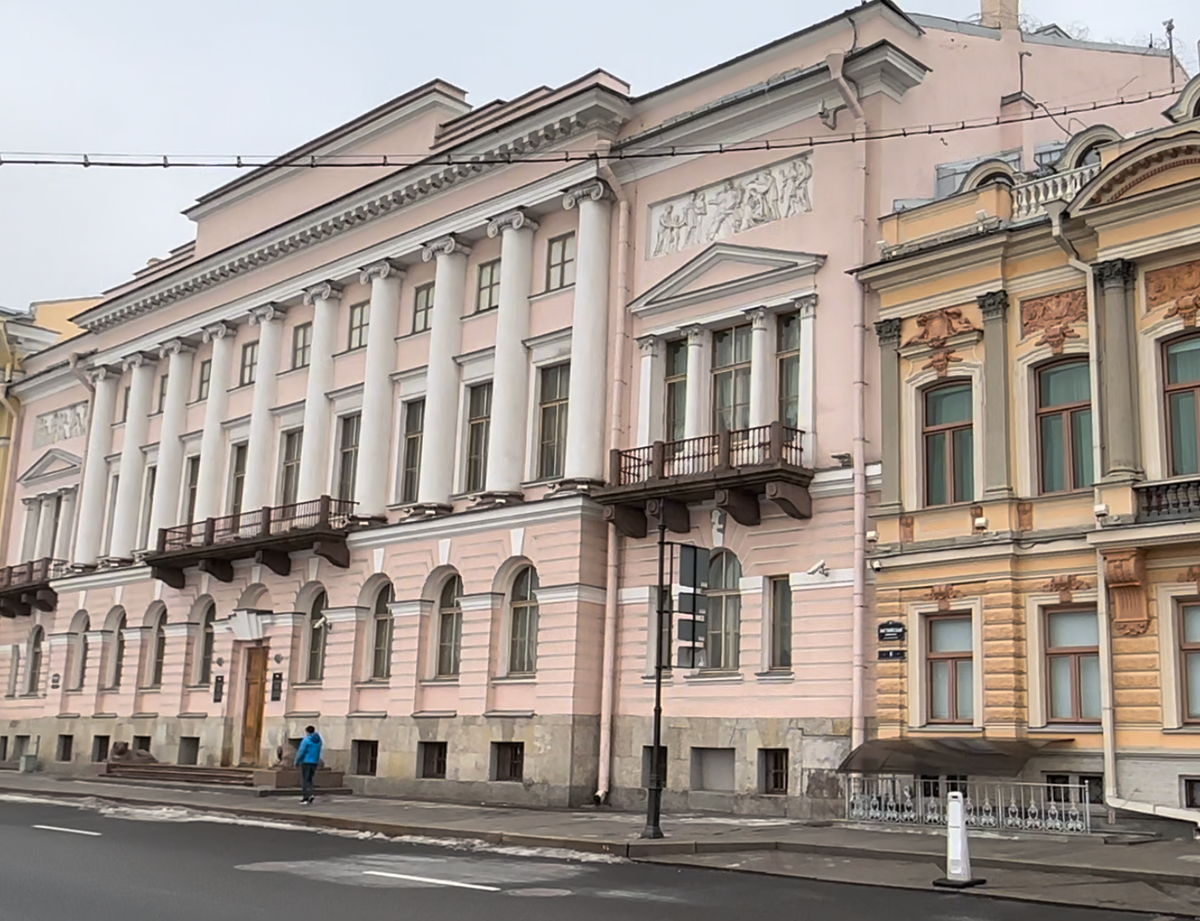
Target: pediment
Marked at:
725, 269
53, 464
1154, 165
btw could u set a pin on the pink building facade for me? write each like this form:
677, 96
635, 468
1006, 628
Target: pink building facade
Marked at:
386, 449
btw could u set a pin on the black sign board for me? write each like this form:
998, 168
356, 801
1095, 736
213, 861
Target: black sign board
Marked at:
693, 566
277, 686
892, 631
693, 604
893, 655
218, 688
692, 631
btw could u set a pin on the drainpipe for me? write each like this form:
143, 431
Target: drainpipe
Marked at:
14, 432
859, 628
612, 583
1108, 730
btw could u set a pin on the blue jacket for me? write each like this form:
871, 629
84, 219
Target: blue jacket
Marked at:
309, 751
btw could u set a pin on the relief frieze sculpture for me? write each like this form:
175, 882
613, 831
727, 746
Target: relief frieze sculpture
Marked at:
1054, 316
723, 209
937, 326
60, 424
1125, 573
1178, 289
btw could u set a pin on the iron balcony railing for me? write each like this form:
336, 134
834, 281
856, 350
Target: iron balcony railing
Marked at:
324, 514
33, 572
751, 447
1171, 500
1029, 198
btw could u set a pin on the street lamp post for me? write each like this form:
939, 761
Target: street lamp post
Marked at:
653, 827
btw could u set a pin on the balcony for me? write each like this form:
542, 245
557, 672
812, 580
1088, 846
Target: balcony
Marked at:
27, 586
1174, 500
266, 535
1029, 198
731, 468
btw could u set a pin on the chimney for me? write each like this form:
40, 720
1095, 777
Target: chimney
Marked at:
1000, 14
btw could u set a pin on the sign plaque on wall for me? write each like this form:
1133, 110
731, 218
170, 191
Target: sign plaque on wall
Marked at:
277, 686
218, 688
893, 655
892, 631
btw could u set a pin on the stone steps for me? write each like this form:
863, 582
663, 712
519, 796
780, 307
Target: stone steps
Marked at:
182, 773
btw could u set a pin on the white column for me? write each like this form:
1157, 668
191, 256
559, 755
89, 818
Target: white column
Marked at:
762, 368
441, 396
95, 471
44, 545
212, 453
510, 384
170, 444
699, 357
586, 429
33, 514
318, 411
807, 421
650, 391
260, 450
133, 461
66, 519
375, 433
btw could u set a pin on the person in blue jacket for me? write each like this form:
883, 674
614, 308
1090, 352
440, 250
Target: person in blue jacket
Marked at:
308, 756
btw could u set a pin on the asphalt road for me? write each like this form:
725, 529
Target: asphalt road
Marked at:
85, 865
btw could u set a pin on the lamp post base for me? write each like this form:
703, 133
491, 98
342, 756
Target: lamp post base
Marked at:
958, 883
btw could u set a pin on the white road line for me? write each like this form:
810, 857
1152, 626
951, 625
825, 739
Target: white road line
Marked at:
435, 882
69, 831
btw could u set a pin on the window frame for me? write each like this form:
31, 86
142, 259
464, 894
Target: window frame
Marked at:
1068, 412
35, 660
948, 430
289, 465
412, 445
478, 436
1182, 650
382, 634
557, 408
780, 637
347, 479
360, 323
238, 451
1075, 654
730, 615
487, 289
561, 265
191, 486
422, 308
1167, 389
523, 623
785, 357
163, 383
248, 368
207, 642
316, 635
447, 660
204, 386
302, 345
158, 652
954, 658
675, 382
117, 666
738, 371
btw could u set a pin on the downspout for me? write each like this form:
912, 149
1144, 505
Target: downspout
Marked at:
612, 582
1108, 730
858, 448
14, 432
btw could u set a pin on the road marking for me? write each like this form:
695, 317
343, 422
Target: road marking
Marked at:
69, 831
434, 882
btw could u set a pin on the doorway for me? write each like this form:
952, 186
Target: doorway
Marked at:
256, 696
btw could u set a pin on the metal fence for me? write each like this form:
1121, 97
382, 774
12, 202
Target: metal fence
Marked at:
998, 805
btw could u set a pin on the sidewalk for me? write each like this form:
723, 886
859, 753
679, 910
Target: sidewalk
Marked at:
1156, 876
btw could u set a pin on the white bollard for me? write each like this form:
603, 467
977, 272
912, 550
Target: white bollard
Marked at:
958, 854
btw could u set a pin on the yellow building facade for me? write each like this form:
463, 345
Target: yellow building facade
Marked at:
1037, 539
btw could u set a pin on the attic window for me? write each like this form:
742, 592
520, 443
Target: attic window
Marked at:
998, 176
1089, 157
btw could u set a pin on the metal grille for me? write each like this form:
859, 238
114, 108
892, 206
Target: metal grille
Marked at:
324, 513
748, 447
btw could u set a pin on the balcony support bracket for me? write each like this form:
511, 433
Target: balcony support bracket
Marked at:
275, 560
742, 506
45, 599
169, 575
672, 512
795, 501
629, 519
221, 570
335, 551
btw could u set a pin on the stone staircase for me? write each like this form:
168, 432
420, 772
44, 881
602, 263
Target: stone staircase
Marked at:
180, 773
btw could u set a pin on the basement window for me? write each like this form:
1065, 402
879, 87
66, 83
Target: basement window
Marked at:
365, 756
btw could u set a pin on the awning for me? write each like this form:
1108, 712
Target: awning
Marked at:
945, 755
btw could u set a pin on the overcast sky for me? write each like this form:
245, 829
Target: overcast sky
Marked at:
262, 76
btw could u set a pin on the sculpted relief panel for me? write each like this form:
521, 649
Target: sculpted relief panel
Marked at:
1054, 316
732, 206
1178, 289
60, 425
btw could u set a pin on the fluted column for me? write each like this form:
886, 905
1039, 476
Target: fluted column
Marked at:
33, 518
66, 521
589, 335
695, 417
1120, 433
212, 454
762, 368
997, 476
375, 434
47, 529
260, 451
650, 421
318, 411
441, 395
170, 445
95, 471
133, 461
506, 453
888, 333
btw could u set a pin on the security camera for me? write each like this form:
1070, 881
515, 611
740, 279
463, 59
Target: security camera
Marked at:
320, 622
819, 569
1101, 510
872, 537
876, 565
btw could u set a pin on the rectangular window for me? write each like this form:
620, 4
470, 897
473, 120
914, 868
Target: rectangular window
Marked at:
348, 456
237, 484
676, 390
289, 474
422, 308
3, 748
949, 445
774, 770
302, 345
191, 481
365, 755
360, 319
1181, 364
1065, 426
189, 750
951, 670
432, 758
205, 379
1073, 666
488, 296
509, 758
414, 428
162, 393
731, 379
66, 748
100, 746
1191, 793
479, 423
249, 370
560, 262
112, 510
124, 405
787, 351
781, 623
1189, 634
147, 507
552, 420
141, 743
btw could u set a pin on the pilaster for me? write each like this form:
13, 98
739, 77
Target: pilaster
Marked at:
888, 333
1118, 372
997, 473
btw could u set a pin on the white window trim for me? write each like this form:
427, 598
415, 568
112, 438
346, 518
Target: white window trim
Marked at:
912, 426
413, 385
768, 623
533, 429
918, 693
1036, 607
1155, 451
464, 431
183, 485
1026, 408
335, 450
1166, 602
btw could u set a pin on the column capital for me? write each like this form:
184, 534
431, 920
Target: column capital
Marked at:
513, 220
1115, 271
325, 291
31, 501
175, 347
806, 305
103, 373
265, 313
759, 317
993, 304
695, 334
217, 331
888, 331
592, 190
446, 246
648, 345
137, 359
384, 268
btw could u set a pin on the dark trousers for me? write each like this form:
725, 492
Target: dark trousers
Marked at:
308, 774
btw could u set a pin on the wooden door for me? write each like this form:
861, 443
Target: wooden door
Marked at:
255, 697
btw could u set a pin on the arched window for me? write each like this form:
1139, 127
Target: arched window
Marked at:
317, 630
1090, 156
79, 673
724, 611
159, 650
522, 649
118, 653
381, 665
999, 176
1064, 401
949, 434
34, 684
1181, 361
449, 628
205, 663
